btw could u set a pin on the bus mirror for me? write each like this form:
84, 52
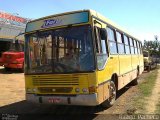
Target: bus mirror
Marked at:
103, 34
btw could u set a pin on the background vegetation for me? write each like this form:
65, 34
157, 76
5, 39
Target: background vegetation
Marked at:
153, 46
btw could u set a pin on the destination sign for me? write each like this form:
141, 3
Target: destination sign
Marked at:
67, 19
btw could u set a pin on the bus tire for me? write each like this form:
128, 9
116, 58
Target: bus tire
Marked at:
112, 98
135, 81
155, 65
148, 68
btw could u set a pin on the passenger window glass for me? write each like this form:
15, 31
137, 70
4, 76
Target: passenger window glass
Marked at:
135, 46
112, 41
120, 43
130, 42
132, 50
131, 45
138, 47
119, 37
127, 49
113, 47
121, 48
125, 40
110, 34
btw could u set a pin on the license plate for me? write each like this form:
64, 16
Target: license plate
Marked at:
54, 100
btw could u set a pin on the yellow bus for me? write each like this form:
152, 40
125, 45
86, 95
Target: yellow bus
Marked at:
79, 58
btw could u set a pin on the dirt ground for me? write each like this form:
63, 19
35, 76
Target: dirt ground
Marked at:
11, 87
12, 101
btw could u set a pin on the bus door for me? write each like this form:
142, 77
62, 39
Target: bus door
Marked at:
101, 45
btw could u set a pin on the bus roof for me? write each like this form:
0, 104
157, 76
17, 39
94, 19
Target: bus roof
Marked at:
92, 13
110, 23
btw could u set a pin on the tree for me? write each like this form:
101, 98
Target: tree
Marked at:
153, 46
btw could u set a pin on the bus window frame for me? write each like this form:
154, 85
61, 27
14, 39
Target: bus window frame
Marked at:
124, 35
97, 29
135, 46
131, 45
115, 41
121, 43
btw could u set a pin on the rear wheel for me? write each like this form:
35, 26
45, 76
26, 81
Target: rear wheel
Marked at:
149, 68
135, 81
112, 92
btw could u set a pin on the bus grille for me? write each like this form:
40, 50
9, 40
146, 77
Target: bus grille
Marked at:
55, 81
55, 89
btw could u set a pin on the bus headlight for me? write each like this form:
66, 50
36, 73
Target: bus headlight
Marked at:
77, 90
85, 90
29, 90
34, 89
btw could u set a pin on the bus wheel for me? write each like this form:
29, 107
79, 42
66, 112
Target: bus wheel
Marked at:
149, 68
112, 98
135, 81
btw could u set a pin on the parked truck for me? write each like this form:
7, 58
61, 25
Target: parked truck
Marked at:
150, 62
14, 57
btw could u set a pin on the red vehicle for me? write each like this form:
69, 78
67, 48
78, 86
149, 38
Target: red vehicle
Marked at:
14, 57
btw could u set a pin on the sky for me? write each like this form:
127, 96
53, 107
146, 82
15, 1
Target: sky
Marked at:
141, 18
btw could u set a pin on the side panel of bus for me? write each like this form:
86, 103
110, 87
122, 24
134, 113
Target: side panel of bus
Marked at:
108, 67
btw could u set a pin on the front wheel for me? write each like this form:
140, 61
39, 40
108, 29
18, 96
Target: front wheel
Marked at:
112, 98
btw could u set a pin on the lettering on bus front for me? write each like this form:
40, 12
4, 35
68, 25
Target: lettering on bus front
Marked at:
51, 22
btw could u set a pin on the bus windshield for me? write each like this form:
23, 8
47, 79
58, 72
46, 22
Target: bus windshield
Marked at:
64, 50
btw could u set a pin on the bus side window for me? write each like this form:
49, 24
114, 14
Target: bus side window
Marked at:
131, 45
112, 41
101, 48
135, 46
120, 43
138, 49
126, 42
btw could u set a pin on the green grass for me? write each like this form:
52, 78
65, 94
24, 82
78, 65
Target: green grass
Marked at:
147, 85
145, 90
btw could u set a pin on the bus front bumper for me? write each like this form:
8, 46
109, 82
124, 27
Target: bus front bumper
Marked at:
84, 100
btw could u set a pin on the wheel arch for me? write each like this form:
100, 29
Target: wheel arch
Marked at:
114, 78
